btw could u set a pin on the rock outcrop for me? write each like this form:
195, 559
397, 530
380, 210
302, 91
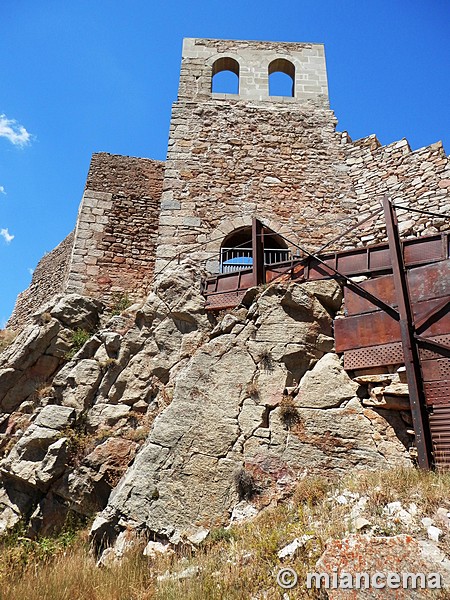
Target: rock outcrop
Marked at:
167, 418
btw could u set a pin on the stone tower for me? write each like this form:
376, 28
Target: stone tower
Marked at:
232, 157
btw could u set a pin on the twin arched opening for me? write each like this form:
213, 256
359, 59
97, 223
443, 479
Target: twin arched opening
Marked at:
225, 77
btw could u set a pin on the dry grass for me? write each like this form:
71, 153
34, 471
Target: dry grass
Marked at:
7, 336
429, 490
253, 390
73, 575
288, 412
235, 564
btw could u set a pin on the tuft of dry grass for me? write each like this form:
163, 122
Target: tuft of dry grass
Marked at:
253, 390
7, 336
288, 412
311, 490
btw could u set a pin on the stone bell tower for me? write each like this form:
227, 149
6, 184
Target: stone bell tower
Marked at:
232, 157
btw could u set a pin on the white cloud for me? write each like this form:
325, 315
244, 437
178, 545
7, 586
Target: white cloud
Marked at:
6, 235
14, 132
2, 190
30, 270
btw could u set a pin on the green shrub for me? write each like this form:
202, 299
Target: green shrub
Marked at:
120, 301
79, 338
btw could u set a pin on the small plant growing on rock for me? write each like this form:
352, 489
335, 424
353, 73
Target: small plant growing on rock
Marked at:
79, 338
108, 363
288, 412
266, 360
7, 336
253, 390
45, 318
119, 302
246, 485
43, 390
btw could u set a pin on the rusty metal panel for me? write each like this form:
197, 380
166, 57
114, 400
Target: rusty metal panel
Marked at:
426, 354
425, 283
224, 300
430, 281
440, 434
382, 287
437, 325
379, 258
362, 331
351, 262
374, 356
437, 392
436, 369
422, 250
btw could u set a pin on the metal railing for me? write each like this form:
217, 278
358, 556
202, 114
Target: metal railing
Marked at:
238, 259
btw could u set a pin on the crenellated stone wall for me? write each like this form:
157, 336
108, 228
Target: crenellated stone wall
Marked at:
419, 178
116, 233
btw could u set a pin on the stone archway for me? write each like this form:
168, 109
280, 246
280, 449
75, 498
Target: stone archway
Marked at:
229, 227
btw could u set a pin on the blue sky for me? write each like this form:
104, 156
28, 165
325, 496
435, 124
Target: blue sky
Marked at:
86, 76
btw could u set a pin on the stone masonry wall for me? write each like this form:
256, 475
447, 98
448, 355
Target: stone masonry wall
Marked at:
230, 160
49, 279
419, 178
115, 237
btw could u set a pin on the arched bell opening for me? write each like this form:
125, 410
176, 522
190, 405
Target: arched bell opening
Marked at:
236, 251
225, 76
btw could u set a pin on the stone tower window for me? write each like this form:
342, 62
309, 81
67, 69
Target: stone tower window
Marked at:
225, 76
281, 78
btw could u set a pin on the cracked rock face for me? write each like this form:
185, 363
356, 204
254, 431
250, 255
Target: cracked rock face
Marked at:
172, 422
225, 415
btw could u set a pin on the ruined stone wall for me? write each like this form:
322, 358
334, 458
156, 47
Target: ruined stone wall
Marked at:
419, 178
49, 279
115, 237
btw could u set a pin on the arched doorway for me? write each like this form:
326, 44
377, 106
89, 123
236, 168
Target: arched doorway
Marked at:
236, 253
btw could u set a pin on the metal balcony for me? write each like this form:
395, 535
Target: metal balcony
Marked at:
238, 259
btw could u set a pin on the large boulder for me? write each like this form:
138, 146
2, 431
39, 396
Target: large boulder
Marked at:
76, 384
39, 457
76, 312
86, 489
327, 385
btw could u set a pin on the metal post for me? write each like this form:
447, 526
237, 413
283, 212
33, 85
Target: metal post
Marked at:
258, 252
410, 350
